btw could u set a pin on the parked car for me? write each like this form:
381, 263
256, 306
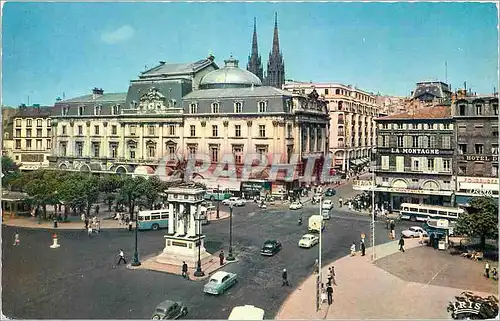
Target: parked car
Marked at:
169, 310
330, 192
220, 282
296, 206
235, 201
308, 241
414, 232
327, 204
246, 312
326, 214
270, 247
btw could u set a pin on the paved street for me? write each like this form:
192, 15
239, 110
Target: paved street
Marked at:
78, 280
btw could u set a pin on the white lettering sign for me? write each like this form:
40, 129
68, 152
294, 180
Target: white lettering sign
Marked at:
424, 151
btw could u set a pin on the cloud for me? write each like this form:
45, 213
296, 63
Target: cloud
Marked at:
118, 35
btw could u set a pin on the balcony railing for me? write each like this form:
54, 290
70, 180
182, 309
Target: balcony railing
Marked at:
413, 170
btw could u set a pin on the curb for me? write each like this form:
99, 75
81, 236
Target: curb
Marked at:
62, 228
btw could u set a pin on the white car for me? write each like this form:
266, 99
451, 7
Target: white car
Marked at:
327, 205
414, 232
235, 201
296, 206
308, 241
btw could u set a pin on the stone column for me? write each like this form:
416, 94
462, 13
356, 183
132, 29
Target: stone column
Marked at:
192, 221
171, 221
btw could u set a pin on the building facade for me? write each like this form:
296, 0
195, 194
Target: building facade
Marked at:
432, 91
189, 110
414, 161
476, 162
352, 122
31, 138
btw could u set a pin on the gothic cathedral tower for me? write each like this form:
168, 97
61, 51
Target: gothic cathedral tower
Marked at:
254, 62
275, 75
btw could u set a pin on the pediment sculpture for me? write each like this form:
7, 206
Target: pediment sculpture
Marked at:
152, 100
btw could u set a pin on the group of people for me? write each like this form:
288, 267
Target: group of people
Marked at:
327, 292
93, 225
362, 247
494, 272
124, 220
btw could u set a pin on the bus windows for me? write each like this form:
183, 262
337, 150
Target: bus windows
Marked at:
442, 213
406, 209
147, 218
422, 210
433, 212
141, 218
155, 217
164, 216
452, 214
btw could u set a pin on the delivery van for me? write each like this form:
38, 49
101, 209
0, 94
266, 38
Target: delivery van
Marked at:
315, 223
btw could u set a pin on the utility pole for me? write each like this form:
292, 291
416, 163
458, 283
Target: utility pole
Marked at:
372, 238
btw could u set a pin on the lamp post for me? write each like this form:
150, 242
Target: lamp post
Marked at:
199, 272
230, 256
218, 202
372, 158
136, 261
319, 278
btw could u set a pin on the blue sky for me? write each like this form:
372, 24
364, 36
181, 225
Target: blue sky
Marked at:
55, 48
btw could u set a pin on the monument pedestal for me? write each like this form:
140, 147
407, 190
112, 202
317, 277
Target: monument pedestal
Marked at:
180, 249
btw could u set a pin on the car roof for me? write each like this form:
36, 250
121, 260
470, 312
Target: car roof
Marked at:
166, 304
308, 235
327, 201
270, 241
417, 227
219, 275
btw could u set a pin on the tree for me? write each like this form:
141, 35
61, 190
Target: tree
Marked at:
131, 191
43, 187
10, 171
481, 220
109, 184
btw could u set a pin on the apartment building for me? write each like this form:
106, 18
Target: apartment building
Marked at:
415, 157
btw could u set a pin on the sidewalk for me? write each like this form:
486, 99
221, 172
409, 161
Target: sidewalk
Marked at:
365, 291
77, 224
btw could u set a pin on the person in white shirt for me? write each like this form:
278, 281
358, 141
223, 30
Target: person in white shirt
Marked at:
420, 238
16, 239
119, 218
353, 249
122, 257
89, 230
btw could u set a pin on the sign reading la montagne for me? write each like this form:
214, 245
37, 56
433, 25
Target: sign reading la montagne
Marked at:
423, 151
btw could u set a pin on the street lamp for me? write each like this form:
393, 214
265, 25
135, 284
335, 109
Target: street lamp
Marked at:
136, 261
199, 272
218, 202
372, 165
319, 279
230, 256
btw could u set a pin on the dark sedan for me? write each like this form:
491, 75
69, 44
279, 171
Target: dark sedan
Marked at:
330, 192
270, 248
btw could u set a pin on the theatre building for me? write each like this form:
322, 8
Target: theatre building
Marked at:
414, 158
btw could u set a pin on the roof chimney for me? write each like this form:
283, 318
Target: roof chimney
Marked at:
97, 92
162, 62
58, 99
211, 57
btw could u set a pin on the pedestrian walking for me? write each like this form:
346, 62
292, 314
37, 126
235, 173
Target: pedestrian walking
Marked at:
324, 297
97, 210
122, 258
363, 249
316, 266
284, 276
353, 249
130, 225
82, 217
184, 269
487, 270
340, 202
16, 239
86, 222
420, 238
334, 281
494, 274
393, 232
402, 244
221, 257
329, 292
89, 230
119, 218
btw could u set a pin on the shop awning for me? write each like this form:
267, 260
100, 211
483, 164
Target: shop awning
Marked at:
356, 162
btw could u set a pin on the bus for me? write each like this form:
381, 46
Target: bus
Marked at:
423, 212
152, 220
246, 312
213, 195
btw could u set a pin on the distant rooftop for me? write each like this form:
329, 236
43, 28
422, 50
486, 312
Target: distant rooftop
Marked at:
178, 68
437, 112
33, 111
110, 97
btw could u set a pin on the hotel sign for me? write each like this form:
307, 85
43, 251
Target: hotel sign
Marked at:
481, 158
417, 151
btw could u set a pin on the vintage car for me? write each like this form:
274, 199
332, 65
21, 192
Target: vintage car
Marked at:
296, 206
414, 231
235, 201
220, 282
330, 192
270, 247
169, 310
308, 241
327, 205
246, 312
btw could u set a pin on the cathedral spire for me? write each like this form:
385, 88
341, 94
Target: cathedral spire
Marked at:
276, 40
254, 61
275, 75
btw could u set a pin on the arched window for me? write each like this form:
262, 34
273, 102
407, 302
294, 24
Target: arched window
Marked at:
215, 108
340, 105
238, 107
337, 92
262, 106
81, 110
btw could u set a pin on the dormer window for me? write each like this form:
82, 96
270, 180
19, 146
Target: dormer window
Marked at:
133, 104
81, 110
262, 106
238, 107
115, 109
479, 109
97, 110
215, 108
193, 108
65, 110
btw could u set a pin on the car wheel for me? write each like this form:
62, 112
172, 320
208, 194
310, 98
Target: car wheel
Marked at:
155, 227
212, 198
184, 311
156, 317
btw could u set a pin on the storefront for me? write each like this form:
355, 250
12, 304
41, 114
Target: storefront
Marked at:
393, 197
469, 187
252, 188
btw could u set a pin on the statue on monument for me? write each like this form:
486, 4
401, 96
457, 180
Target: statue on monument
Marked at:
182, 171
